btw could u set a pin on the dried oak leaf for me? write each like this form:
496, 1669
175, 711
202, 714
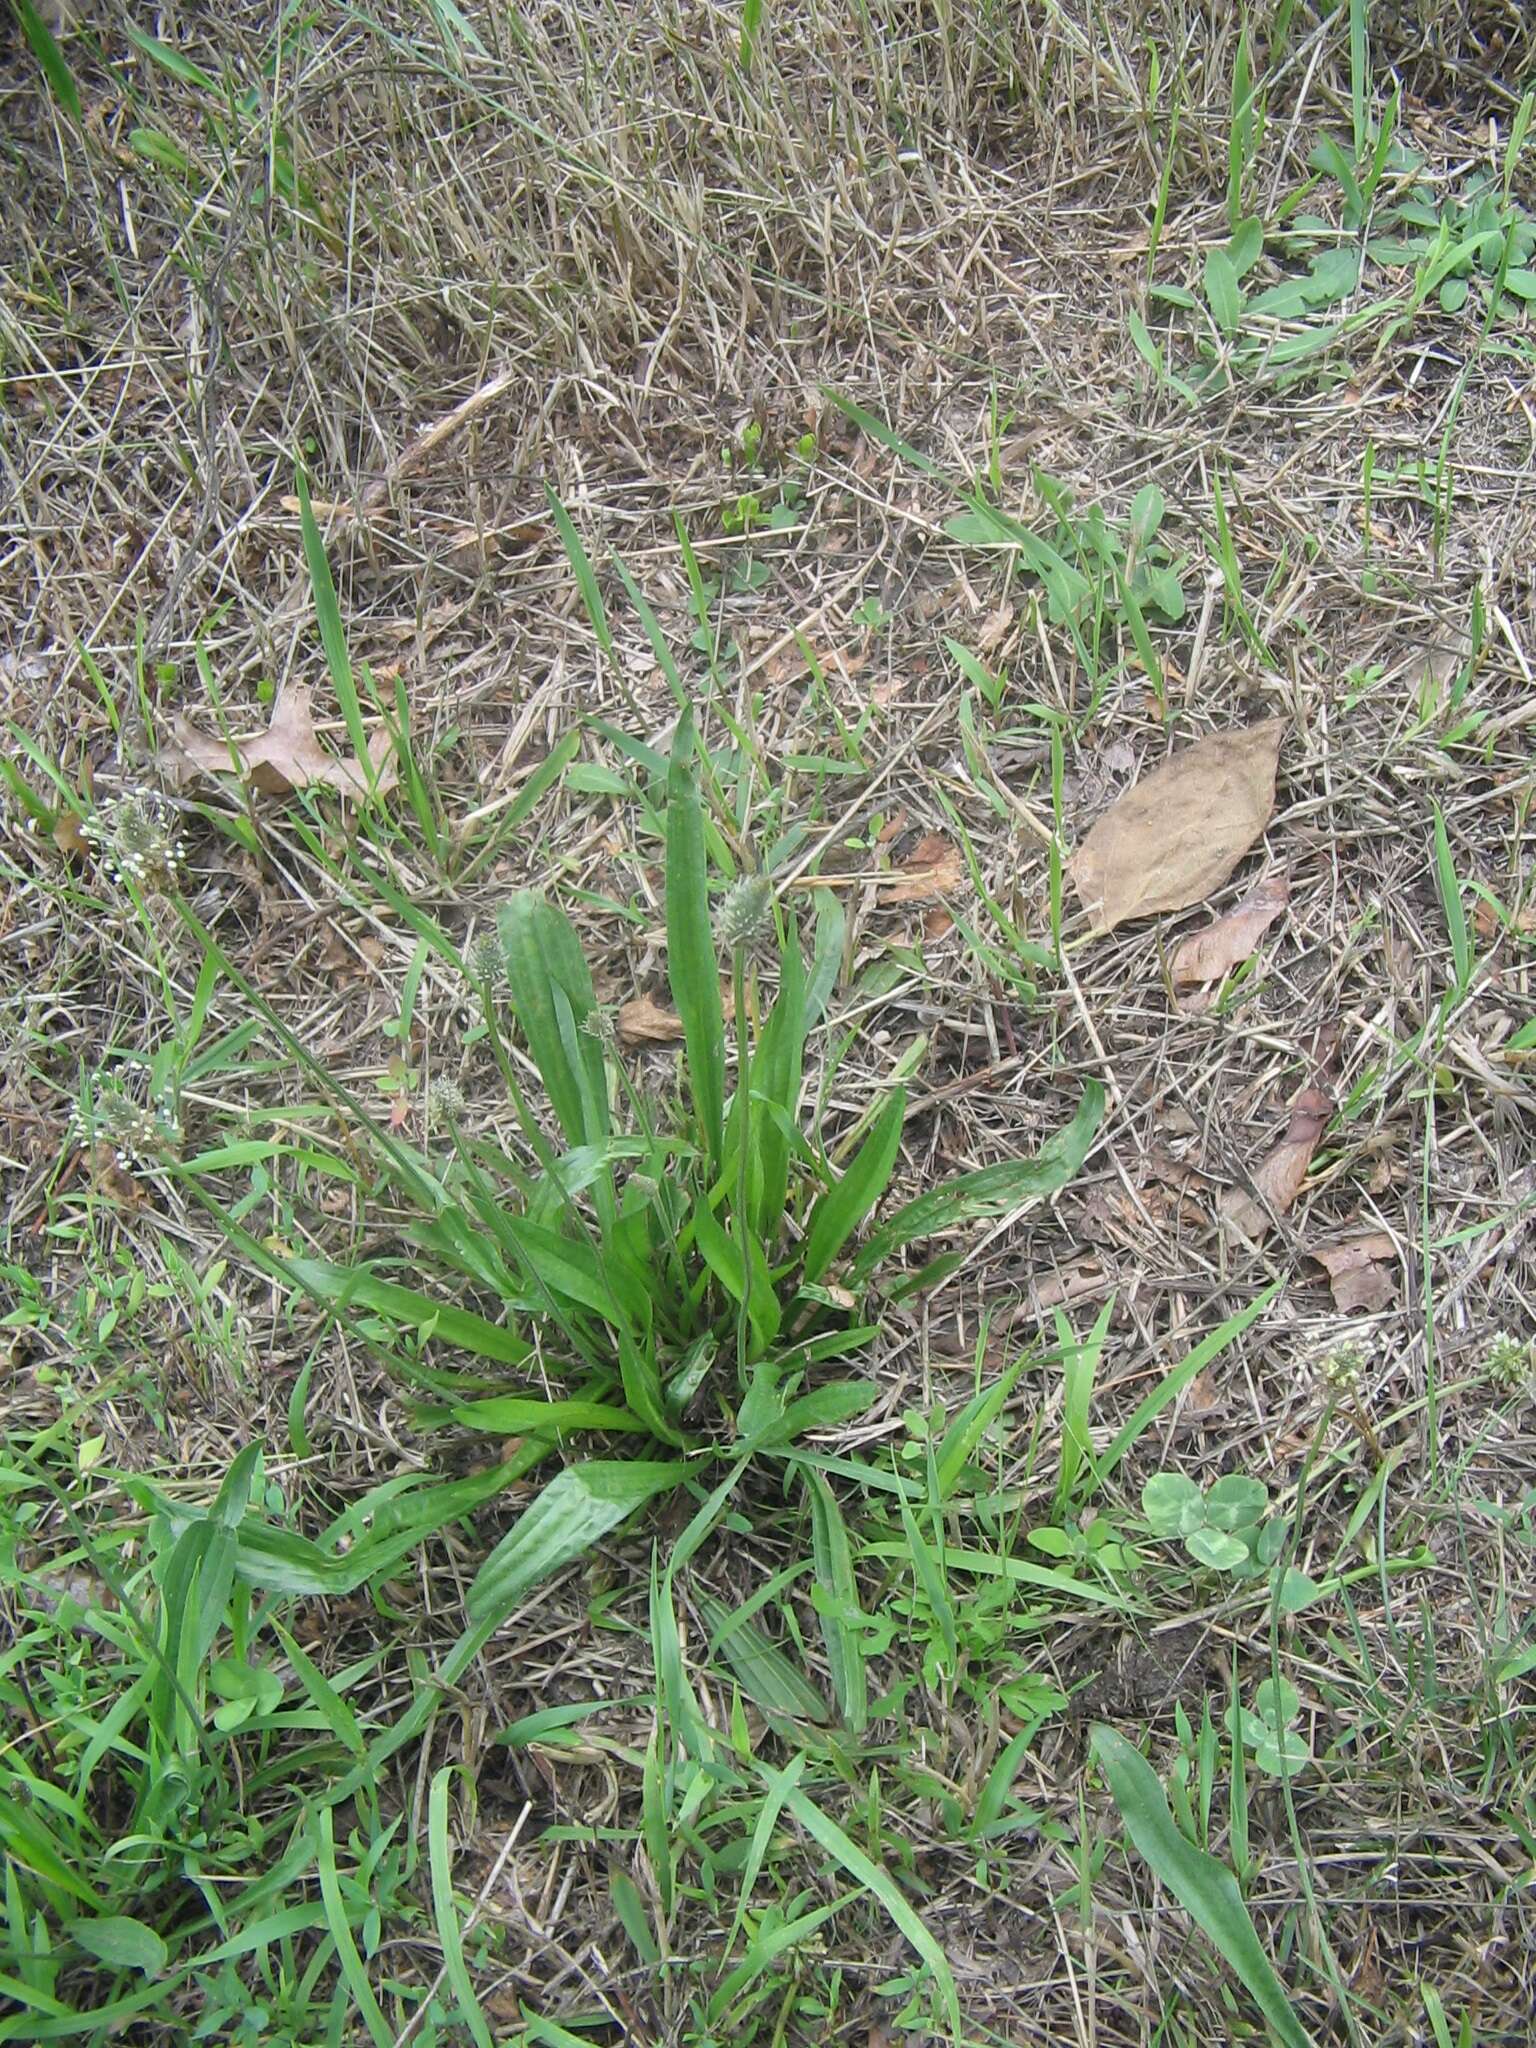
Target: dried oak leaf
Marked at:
287, 756
644, 1021
1177, 834
933, 868
1279, 1176
1209, 954
1362, 1271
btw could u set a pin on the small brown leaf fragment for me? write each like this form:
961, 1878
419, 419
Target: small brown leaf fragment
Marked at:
994, 629
113, 1179
1202, 1396
69, 836
287, 756
933, 868
1178, 833
937, 923
1278, 1178
1080, 1279
644, 1021
1208, 955
1362, 1271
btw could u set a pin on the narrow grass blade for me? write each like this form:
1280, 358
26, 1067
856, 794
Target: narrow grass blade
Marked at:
353, 1287
826, 956
692, 966
512, 1415
766, 1675
823, 1829
877, 430
780, 1785
838, 1213
1205, 1888
1448, 884
778, 1065
929, 1573
51, 59
445, 1909
970, 1426
333, 635
539, 783
350, 1962
1079, 1366
1173, 1384
586, 580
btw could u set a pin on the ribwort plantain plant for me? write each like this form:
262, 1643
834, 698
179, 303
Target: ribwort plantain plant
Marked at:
687, 1276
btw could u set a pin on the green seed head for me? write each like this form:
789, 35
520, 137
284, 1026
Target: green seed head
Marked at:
445, 1099
746, 913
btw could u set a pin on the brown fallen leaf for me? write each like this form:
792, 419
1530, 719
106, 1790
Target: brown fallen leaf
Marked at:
1178, 833
993, 630
1202, 1396
1207, 955
1487, 923
933, 868
1080, 1279
69, 836
287, 756
1278, 1177
644, 1021
1362, 1271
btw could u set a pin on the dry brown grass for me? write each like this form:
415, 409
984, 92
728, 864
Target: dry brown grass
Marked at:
935, 215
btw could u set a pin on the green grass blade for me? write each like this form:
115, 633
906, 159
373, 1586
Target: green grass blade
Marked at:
333, 636
877, 430
1079, 1366
970, 1426
516, 1415
50, 58
1173, 1384
356, 1288
823, 1829
780, 1784
1463, 960
929, 1574
692, 967
838, 1213
445, 1910
351, 1964
826, 956
586, 580
778, 1066
1205, 1888
765, 1674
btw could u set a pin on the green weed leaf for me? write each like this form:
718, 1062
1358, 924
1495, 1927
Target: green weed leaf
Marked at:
553, 1000
844, 1206
1205, 1888
574, 1511
843, 1850
1223, 293
992, 1191
122, 1943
